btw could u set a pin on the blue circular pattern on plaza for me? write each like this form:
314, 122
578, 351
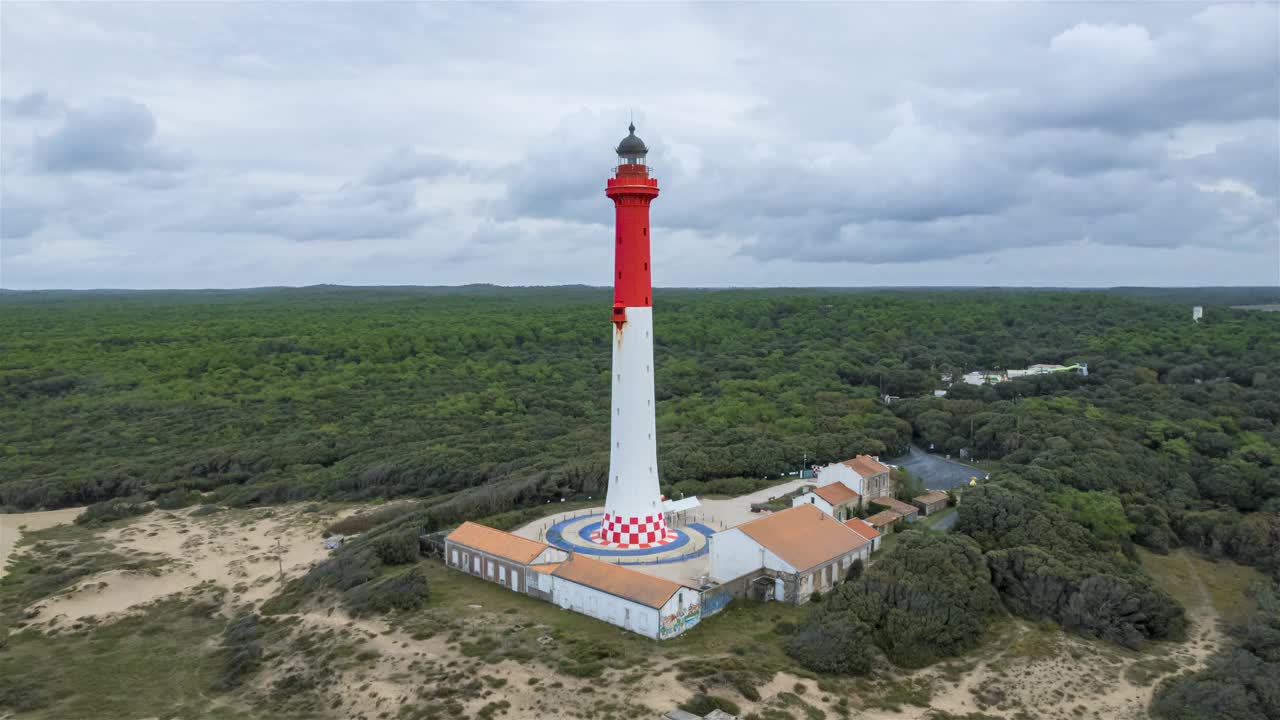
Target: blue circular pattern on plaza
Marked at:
574, 535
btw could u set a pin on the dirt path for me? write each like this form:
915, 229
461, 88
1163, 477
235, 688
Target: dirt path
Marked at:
11, 527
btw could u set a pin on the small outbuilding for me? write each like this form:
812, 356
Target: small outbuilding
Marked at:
884, 521
907, 511
802, 548
835, 499
931, 502
500, 557
645, 604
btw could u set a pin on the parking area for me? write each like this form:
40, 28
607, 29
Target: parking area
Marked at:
937, 472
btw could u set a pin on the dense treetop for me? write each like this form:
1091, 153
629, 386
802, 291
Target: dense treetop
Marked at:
274, 394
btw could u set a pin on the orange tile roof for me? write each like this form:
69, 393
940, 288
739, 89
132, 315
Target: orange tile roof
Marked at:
835, 493
496, 542
884, 517
616, 580
866, 466
548, 568
804, 536
862, 528
894, 504
932, 497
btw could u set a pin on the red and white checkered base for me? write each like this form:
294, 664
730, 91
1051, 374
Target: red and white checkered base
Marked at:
644, 532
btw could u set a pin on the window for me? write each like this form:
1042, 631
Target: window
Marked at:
455, 557
645, 232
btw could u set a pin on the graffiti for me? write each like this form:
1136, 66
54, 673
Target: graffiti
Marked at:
677, 622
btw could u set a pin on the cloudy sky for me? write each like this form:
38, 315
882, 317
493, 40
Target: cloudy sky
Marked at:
183, 145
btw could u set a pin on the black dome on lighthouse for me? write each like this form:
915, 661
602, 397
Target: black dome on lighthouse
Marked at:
632, 146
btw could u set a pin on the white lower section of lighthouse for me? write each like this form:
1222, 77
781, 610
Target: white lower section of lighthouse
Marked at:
633, 507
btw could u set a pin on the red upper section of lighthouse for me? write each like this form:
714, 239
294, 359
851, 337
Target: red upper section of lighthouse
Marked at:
631, 190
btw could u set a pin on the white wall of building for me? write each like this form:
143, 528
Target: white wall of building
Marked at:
551, 554
839, 472
810, 498
734, 554
600, 605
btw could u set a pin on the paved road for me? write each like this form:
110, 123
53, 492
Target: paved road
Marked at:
937, 472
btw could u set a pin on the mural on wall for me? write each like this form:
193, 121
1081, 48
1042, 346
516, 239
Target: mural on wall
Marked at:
677, 622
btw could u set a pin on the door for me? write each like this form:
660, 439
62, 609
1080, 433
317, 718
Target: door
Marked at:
455, 558
515, 581
779, 589
502, 574
475, 563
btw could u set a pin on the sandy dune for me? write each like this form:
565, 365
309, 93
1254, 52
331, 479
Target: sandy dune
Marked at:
11, 527
242, 551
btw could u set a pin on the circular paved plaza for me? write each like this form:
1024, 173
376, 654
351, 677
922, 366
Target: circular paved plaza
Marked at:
576, 535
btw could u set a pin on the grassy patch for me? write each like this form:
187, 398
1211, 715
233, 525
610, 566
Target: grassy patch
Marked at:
1182, 574
132, 668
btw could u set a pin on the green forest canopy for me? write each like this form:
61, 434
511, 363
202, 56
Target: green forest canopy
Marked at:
486, 400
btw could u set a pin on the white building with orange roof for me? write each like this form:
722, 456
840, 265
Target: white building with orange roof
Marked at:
864, 474
651, 606
803, 549
500, 557
835, 499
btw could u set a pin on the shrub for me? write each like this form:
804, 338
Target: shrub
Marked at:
703, 704
109, 510
366, 521
406, 591
832, 642
242, 652
177, 499
855, 570
397, 548
928, 599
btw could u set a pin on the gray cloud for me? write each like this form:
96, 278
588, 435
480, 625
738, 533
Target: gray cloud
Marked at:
35, 104
406, 163
115, 135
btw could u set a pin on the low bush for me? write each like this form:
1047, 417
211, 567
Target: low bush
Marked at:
241, 650
704, 704
397, 548
177, 499
406, 591
115, 509
366, 521
832, 642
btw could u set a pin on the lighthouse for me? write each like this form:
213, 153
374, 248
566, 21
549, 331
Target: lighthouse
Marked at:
633, 516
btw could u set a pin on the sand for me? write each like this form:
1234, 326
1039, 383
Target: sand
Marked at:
1051, 675
11, 527
241, 551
